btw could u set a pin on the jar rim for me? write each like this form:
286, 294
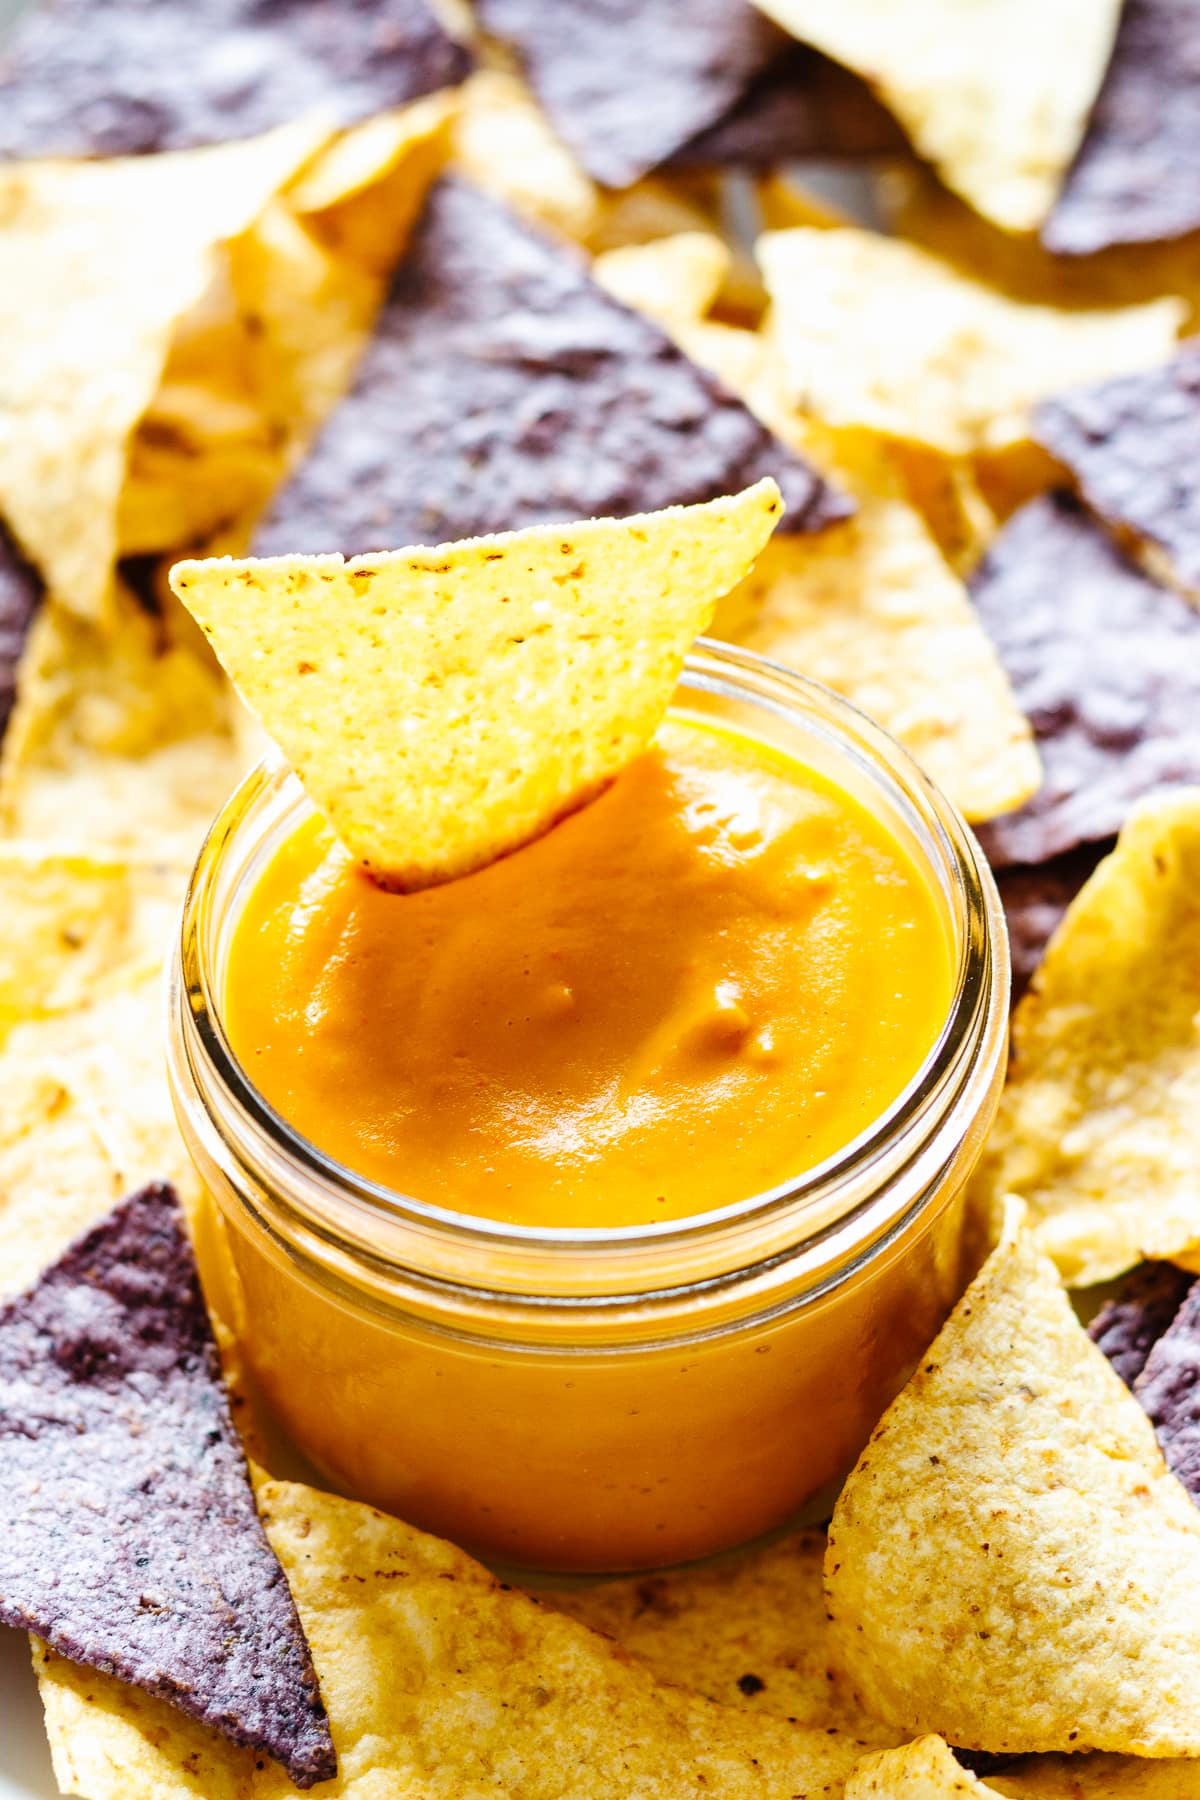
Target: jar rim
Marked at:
932, 1094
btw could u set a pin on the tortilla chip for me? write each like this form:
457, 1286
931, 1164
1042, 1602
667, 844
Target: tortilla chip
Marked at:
441, 1682
1099, 1778
918, 207
625, 84
1130, 182
1105, 662
1168, 1390
118, 77
1035, 901
505, 388
436, 740
1130, 1324
119, 738
20, 596
801, 105
926, 1770
363, 193
871, 609
1098, 1128
98, 263
997, 102
77, 923
1131, 446
748, 1631
504, 143
875, 333
947, 493
130, 1542
674, 280
1011, 1564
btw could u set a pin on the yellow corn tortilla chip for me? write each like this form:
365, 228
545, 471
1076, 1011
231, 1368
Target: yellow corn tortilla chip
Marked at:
748, 1630
505, 144
924, 1770
675, 280
119, 737
98, 263
1011, 1564
78, 922
363, 193
444, 706
918, 207
1099, 1126
440, 1684
871, 608
875, 333
996, 97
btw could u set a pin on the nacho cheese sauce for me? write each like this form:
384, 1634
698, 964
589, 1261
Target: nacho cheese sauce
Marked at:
706, 982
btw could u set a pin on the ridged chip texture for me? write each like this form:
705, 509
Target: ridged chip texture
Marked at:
504, 388
119, 77
129, 1537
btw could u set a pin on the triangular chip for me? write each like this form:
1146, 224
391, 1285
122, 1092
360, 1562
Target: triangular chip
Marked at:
442, 707
627, 84
747, 1630
1132, 446
1107, 665
504, 387
996, 99
925, 1770
1099, 1126
130, 1539
874, 332
1168, 1391
1129, 1325
1131, 182
1011, 1564
98, 263
441, 1683
115, 77
872, 609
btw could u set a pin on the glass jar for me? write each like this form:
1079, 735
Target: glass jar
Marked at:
600, 1399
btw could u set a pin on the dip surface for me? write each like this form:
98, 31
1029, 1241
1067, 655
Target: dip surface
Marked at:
701, 985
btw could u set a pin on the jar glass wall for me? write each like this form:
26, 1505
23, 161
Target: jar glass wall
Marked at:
597, 1399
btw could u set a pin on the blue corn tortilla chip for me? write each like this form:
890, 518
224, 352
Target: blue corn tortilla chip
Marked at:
1129, 1325
1133, 447
20, 594
504, 387
627, 83
129, 1538
801, 105
1035, 900
1169, 1391
1106, 665
119, 77
1134, 178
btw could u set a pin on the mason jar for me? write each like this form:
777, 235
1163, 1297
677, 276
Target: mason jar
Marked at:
600, 1399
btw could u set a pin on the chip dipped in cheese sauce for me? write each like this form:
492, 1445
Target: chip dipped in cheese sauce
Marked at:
700, 986
589, 1208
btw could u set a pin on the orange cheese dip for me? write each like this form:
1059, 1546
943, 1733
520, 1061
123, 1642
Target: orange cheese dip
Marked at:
703, 984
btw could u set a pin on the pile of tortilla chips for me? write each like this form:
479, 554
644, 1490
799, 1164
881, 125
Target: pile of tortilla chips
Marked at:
350, 280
